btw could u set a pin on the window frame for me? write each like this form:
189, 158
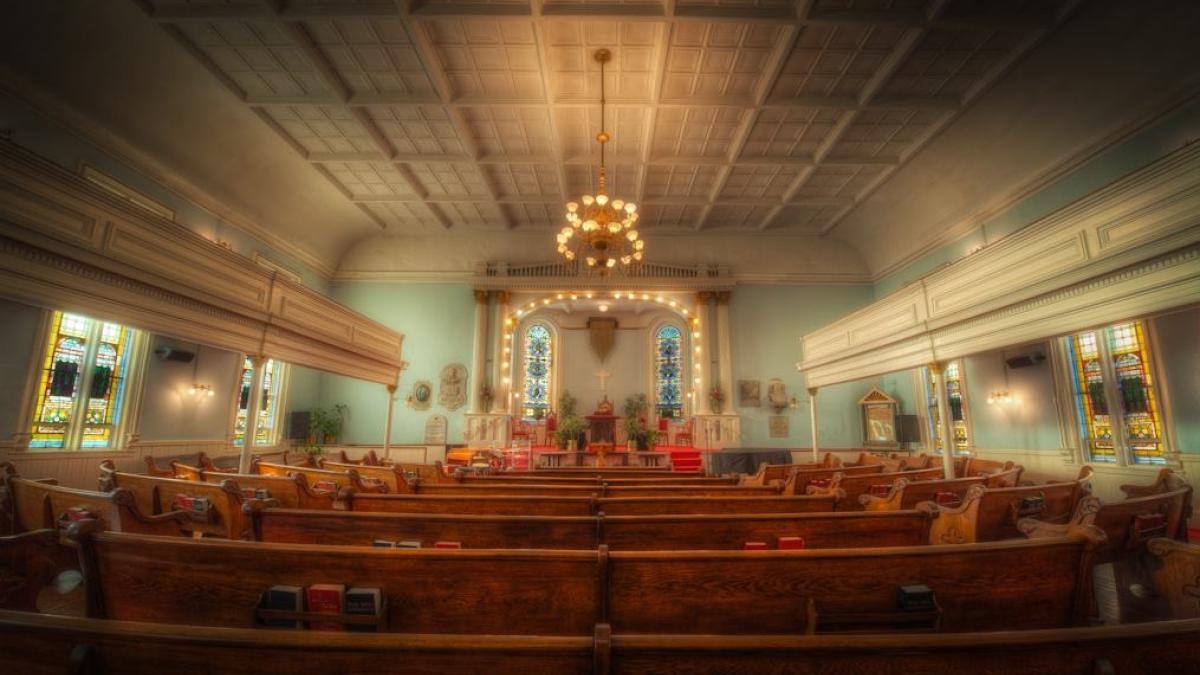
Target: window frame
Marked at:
126, 421
519, 357
278, 405
685, 365
931, 428
1123, 456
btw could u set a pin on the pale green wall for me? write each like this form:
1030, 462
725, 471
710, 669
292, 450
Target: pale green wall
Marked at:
17, 349
1031, 420
169, 413
438, 325
767, 323
1179, 353
48, 139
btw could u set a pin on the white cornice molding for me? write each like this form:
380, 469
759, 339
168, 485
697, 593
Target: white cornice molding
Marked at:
68, 244
1128, 250
964, 226
766, 279
124, 151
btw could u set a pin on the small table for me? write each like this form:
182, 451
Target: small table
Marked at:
602, 428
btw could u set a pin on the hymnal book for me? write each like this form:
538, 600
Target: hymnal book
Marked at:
1149, 522
879, 490
324, 486
79, 513
286, 598
447, 544
819, 483
256, 493
790, 543
408, 544
915, 598
945, 498
364, 601
383, 543
182, 503
326, 599
755, 546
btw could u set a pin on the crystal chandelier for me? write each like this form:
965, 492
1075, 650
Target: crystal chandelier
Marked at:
600, 232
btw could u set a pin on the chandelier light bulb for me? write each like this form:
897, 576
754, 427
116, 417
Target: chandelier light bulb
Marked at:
637, 255
630, 207
618, 204
587, 200
591, 262
631, 235
614, 227
611, 262
626, 259
639, 245
562, 238
601, 199
572, 207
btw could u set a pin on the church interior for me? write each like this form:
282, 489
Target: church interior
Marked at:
600, 336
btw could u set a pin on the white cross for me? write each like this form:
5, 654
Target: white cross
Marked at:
603, 375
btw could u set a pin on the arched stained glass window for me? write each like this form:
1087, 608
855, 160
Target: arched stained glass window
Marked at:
539, 361
83, 383
668, 370
268, 412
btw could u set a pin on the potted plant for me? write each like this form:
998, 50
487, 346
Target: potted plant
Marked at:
571, 433
717, 398
325, 425
636, 427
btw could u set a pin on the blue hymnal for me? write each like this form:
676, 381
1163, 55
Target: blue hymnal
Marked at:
287, 598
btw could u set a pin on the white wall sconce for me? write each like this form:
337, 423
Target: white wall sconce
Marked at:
999, 398
198, 389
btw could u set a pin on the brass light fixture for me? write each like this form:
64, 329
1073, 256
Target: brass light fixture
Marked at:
600, 234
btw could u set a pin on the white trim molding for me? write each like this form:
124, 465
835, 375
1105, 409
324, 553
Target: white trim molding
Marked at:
1129, 250
68, 244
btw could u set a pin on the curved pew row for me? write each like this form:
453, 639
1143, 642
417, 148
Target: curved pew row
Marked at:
543, 505
619, 533
291, 492
320, 479
884, 492
992, 514
1042, 583
36, 644
212, 509
771, 473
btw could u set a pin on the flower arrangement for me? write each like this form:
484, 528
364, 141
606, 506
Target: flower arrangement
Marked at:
486, 395
717, 397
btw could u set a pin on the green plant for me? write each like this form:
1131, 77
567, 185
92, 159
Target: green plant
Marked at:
324, 426
569, 428
635, 424
566, 405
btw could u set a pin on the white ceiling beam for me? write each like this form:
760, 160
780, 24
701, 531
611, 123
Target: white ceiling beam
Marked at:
560, 165
659, 70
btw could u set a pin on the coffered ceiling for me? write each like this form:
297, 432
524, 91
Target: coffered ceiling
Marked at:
726, 115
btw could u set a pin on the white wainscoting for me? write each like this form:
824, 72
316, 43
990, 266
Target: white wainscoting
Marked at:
407, 453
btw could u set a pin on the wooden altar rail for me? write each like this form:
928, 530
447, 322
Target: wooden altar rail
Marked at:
619, 533
1033, 584
37, 643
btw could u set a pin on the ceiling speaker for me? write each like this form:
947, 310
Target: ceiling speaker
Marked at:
1025, 360
171, 354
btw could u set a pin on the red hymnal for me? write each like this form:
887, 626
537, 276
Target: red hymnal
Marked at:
182, 502
79, 513
324, 486
786, 543
820, 483
755, 546
447, 544
945, 498
325, 599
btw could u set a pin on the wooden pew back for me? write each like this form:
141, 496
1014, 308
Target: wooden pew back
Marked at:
732, 531
992, 514
1177, 577
291, 492
390, 476
857, 486
1029, 584
906, 495
515, 489
318, 478
222, 518
798, 482
210, 582
709, 491
646, 506
506, 505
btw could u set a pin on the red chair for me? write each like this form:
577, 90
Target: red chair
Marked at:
521, 431
684, 438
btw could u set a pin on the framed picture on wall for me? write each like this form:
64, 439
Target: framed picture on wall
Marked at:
749, 393
879, 419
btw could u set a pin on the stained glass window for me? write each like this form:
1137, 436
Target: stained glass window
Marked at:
1138, 428
82, 385
268, 411
956, 395
668, 369
539, 360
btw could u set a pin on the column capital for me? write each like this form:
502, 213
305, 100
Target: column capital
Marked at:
703, 297
501, 297
722, 297
257, 359
935, 367
812, 392
481, 297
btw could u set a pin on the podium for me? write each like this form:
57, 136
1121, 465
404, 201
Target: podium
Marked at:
602, 428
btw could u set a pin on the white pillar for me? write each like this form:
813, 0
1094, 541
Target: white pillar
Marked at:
387, 425
724, 346
943, 403
700, 405
812, 418
253, 405
504, 375
479, 355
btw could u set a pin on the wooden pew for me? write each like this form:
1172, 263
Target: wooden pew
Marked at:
30, 561
318, 477
596, 480
368, 459
391, 476
906, 495
418, 487
1044, 583
291, 492
710, 491
202, 461
211, 582
35, 644
644, 506
1177, 578
505, 505
992, 514
639, 533
222, 518
605, 472
799, 481
857, 486
970, 465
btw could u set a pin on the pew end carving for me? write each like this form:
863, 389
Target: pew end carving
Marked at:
29, 561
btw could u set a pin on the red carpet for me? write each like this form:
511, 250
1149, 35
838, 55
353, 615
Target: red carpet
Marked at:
682, 459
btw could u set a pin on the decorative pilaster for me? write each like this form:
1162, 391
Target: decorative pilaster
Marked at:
387, 425
479, 354
501, 375
253, 406
702, 355
812, 418
724, 344
943, 402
